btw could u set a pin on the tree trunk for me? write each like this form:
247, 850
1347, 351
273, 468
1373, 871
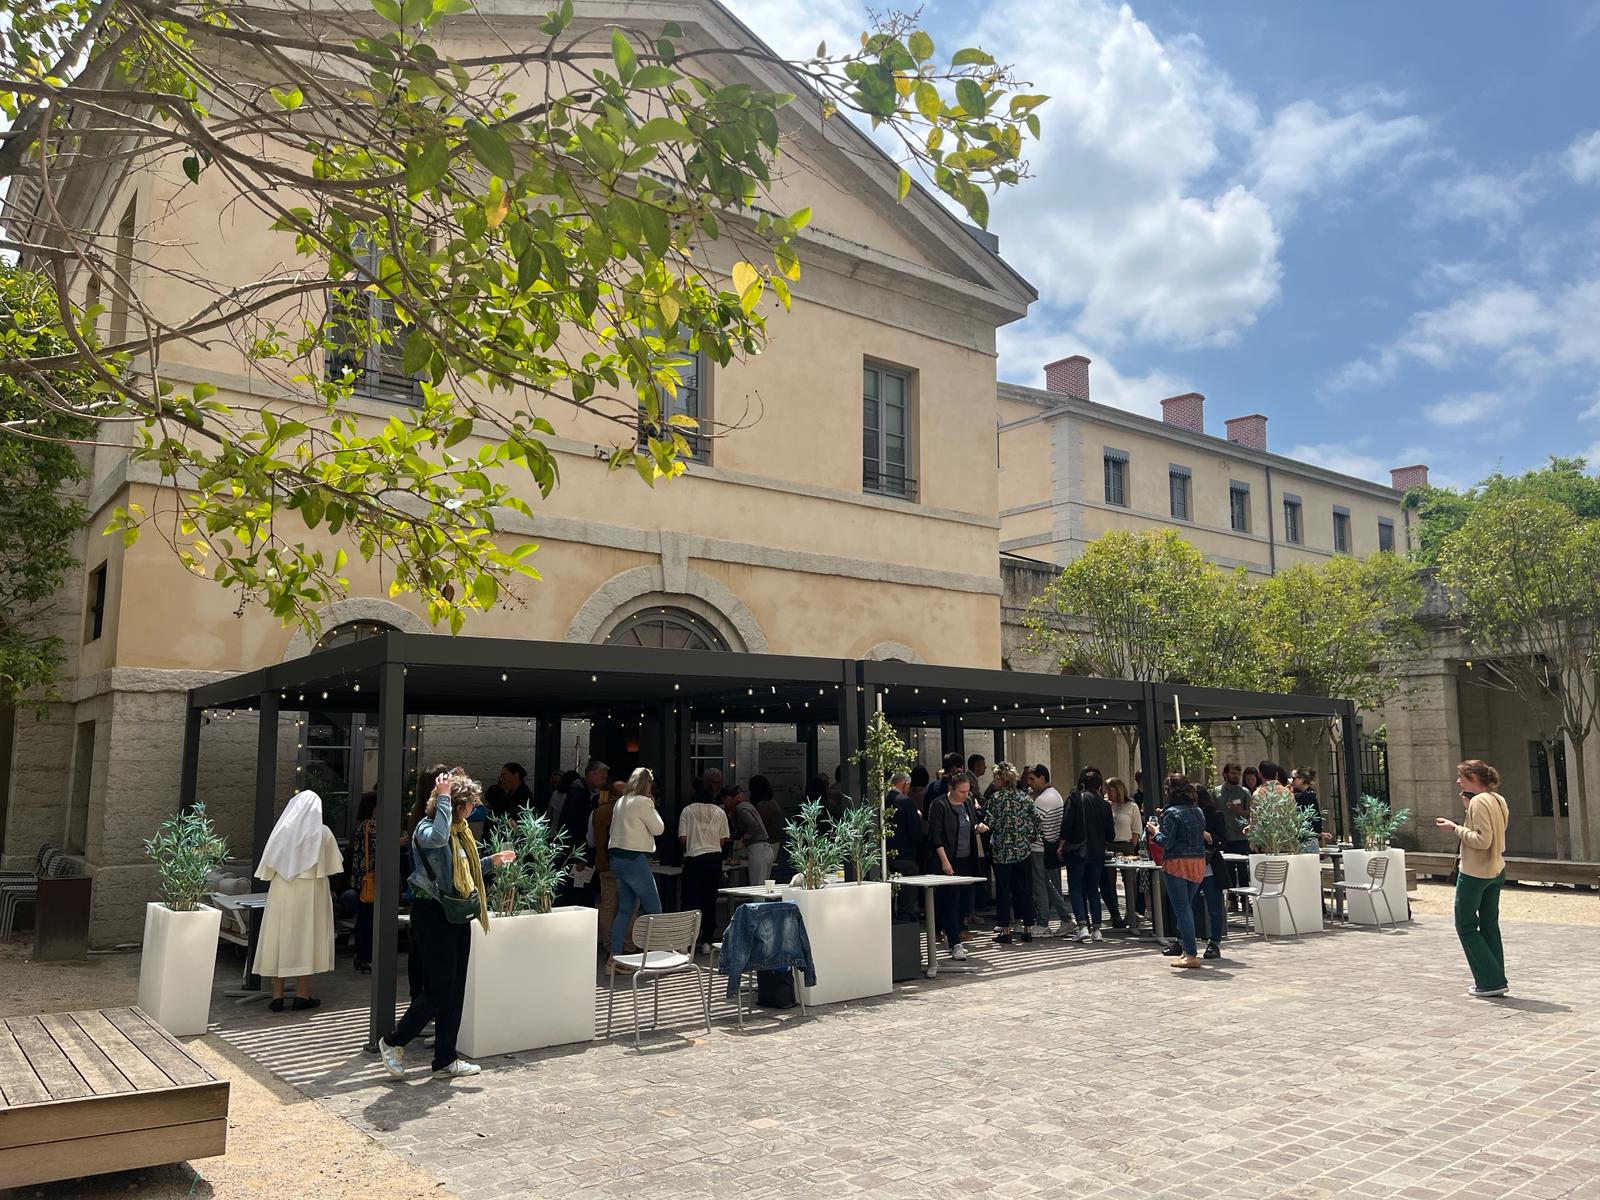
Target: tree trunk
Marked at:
1578, 803
1562, 824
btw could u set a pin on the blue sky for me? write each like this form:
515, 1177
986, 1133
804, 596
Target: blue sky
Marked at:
1377, 223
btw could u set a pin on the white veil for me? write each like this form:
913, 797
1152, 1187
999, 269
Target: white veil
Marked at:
296, 841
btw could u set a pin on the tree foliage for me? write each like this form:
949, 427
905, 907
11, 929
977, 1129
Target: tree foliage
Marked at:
38, 518
558, 220
1442, 510
1522, 578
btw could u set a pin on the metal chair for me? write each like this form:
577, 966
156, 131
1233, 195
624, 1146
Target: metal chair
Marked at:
1272, 880
1377, 872
41, 860
667, 947
14, 895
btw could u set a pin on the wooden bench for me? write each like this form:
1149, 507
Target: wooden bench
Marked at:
89, 1092
1519, 869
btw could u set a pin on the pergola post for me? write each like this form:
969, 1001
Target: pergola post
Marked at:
1350, 736
807, 734
189, 771
266, 776
546, 755
386, 870
682, 738
950, 733
852, 730
1150, 748
999, 747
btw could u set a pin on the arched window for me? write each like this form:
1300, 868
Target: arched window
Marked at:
668, 629
350, 631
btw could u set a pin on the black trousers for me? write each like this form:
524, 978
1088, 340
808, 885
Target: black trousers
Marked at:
1013, 889
702, 876
442, 949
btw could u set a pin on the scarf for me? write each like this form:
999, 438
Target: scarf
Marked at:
467, 869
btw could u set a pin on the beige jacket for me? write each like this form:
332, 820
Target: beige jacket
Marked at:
1483, 836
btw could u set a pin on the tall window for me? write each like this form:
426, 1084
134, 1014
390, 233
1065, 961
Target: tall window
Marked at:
1385, 534
1178, 493
1291, 521
1341, 531
94, 624
1239, 507
1541, 784
689, 401
885, 433
367, 341
122, 271
1117, 477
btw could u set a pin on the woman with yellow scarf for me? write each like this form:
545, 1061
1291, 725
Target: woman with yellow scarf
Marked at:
446, 879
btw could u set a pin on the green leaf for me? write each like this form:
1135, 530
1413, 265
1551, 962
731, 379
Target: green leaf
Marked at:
389, 10
903, 188
622, 53
662, 129
191, 168
485, 590
415, 12
970, 96
426, 165
656, 77
490, 149
920, 45
290, 98
971, 57
929, 102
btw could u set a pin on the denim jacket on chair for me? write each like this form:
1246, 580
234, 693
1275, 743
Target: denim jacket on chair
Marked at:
765, 936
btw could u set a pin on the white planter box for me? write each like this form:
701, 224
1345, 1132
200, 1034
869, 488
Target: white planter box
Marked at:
176, 967
1304, 890
530, 983
1367, 910
848, 926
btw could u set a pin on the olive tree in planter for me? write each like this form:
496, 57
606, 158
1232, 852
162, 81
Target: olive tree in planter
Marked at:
1375, 824
180, 933
1278, 829
530, 977
883, 753
848, 924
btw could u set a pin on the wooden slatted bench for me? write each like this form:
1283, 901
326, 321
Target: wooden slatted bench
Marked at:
1519, 869
88, 1092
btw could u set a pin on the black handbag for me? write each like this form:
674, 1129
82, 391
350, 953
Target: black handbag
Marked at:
457, 910
775, 989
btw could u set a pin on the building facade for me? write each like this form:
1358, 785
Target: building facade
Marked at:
781, 536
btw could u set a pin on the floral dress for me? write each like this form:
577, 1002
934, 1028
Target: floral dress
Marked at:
1014, 825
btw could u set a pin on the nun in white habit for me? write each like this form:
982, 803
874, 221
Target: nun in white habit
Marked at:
297, 930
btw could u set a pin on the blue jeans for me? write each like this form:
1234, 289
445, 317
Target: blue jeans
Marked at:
636, 885
1182, 894
1083, 885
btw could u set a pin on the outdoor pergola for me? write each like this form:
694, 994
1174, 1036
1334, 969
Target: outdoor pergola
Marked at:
402, 675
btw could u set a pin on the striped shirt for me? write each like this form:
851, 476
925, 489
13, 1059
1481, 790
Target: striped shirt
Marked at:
1050, 806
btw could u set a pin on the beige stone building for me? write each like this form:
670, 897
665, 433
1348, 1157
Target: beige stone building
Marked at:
834, 510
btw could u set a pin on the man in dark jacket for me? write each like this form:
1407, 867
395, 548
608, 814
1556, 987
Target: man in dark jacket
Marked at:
575, 813
1086, 828
510, 795
908, 847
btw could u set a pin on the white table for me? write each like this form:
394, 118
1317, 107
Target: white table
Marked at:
250, 907
1158, 924
752, 892
930, 958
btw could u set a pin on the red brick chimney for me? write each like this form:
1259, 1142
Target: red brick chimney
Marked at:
1187, 411
1403, 479
1249, 432
1069, 376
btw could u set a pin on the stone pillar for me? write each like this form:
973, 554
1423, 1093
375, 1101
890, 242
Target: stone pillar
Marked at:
1424, 726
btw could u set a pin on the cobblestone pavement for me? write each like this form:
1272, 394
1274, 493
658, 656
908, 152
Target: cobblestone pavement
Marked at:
1350, 1064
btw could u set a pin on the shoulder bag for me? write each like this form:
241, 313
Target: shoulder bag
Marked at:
457, 910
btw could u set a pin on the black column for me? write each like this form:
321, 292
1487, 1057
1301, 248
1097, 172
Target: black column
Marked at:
386, 868
1350, 735
189, 771
951, 734
546, 757
266, 776
852, 727
807, 734
1150, 747
999, 747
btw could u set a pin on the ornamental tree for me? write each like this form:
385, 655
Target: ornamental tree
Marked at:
553, 217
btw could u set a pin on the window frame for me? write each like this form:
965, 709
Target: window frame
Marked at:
880, 477
1180, 492
372, 380
1343, 538
94, 609
1115, 464
121, 307
699, 439
1385, 533
1294, 520
1238, 513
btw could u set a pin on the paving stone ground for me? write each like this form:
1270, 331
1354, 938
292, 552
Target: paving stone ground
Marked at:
1350, 1064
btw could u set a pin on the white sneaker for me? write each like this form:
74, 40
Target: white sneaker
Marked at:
1053, 928
1083, 935
394, 1058
460, 1069
959, 954
1096, 932
1040, 931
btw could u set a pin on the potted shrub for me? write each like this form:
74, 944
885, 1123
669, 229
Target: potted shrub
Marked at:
848, 924
180, 933
1376, 824
530, 978
1279, 828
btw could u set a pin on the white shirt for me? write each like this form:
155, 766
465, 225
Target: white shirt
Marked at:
1050, 807
706, 828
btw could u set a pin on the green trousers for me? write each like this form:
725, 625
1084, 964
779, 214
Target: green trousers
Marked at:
1478, 927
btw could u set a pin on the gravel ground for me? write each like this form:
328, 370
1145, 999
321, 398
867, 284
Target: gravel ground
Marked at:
280, 1143
1518, 902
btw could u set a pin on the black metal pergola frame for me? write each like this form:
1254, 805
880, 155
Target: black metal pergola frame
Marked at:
405, 674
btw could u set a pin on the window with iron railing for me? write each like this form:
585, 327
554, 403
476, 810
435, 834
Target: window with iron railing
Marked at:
690, 400
1341, 532
366, 341
1116, 469
1178, 494
886, 433
1239, 507
1291, 522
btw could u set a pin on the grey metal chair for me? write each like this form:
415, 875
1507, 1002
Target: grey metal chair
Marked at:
1373, 889
1272, 881
744, 979
666, 944
13, 895
41, 860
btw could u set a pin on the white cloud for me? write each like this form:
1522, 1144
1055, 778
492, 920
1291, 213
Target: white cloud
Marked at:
1495, 200
1583, 157
794, 30
1307, 148
1463, 408
1343, 458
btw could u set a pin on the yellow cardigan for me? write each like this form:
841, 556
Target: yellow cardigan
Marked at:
1483, 836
